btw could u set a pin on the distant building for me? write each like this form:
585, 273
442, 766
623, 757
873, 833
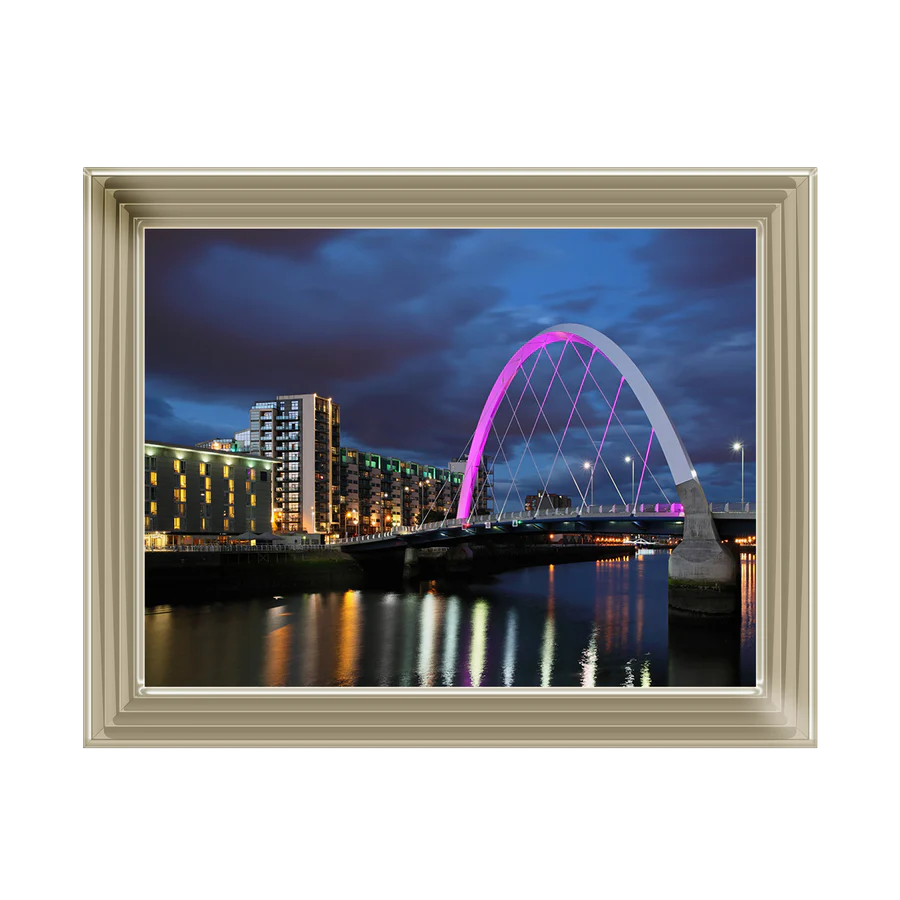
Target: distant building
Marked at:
242, 441
193, 494
228, 445
545, 501
303, 433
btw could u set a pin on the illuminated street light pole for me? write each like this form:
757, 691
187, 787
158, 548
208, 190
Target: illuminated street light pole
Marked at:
590, 468
631, 460
739, 446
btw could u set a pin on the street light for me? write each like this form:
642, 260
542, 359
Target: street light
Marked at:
588, 466
737, 445
631, 460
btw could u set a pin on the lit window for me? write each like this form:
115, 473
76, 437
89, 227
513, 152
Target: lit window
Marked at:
230, 512
203, 468
253, 474
253, 524
153, 478
226, 471
247, 486
231, 497
208, 497
225, 525
146, 522
183, 480
152, 508
231, 484
176, 524
253, 499
203, 524
177, 465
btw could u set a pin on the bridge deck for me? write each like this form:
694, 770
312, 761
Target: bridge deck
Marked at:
658, 519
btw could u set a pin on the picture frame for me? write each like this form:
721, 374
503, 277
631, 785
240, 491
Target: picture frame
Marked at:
120, 204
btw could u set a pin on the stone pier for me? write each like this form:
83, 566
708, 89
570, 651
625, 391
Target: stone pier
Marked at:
702, 573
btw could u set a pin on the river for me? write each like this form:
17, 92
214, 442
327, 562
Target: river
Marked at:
603, 623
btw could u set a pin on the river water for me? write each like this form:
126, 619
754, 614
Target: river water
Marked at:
602, 623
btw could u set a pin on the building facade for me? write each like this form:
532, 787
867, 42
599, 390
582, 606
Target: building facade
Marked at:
379, 492
229, 445
302, 432
545, 501
192, 495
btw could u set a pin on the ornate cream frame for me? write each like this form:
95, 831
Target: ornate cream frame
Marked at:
120, 203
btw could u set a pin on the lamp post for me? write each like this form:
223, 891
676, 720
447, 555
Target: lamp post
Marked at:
347, 526
631, 460
590, 468
737, 445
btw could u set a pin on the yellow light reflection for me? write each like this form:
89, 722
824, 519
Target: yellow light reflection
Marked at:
310, 642
348, 640
645, 672
478, 648
548, 644
451, 639
278, 649
428, 633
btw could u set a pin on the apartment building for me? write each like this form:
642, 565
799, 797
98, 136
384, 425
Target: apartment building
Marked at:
380, 492
302, 432
192, 494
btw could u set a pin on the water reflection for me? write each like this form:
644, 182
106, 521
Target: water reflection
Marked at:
548, 643
348, 640
478, 647
451, 641
591, 624
509, 649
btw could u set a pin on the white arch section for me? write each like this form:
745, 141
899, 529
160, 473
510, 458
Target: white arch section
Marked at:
676, 456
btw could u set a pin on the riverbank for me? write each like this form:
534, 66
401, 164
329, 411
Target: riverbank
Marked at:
185, 577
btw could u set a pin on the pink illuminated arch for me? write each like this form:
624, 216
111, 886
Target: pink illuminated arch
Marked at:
676, 456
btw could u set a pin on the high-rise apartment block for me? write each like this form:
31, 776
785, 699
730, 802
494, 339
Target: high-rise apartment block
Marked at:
303, 433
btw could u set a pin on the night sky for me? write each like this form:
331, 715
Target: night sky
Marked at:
407, 330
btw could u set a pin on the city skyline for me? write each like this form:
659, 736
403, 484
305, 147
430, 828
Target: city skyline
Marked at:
407, 330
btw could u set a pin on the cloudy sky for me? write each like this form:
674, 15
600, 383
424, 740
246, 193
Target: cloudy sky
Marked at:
408, 329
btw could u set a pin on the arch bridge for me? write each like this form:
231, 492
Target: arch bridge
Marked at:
698, 560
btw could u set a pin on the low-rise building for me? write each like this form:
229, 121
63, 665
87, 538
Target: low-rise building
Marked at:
195, 495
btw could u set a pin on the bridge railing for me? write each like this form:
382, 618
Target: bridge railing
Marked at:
732, 507
242, 548
572, 512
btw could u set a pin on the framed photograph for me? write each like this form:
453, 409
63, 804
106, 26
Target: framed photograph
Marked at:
450, 458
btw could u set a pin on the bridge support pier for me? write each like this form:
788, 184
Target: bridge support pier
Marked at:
702, 573
410, 563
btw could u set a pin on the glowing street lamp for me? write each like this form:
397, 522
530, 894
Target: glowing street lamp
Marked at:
590, 468
631, 460
737, 445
